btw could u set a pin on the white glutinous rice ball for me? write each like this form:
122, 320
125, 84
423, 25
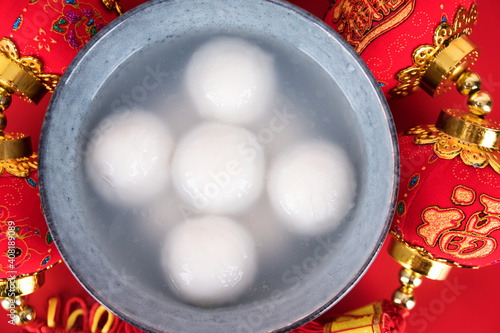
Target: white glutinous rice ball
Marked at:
312, 187
231, 80
210, 260
218, 168
128, 158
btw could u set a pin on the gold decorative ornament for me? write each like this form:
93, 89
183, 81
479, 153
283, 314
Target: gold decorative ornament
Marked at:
404, 295
457, 133
418, 260
21, 76
435, 66
417, 263
12, 292
479, 103
448, 146
468, 83
460, 54
22, 285
19, 167
22, 314
466, 134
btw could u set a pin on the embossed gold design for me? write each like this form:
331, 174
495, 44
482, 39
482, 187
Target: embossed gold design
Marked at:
463, 195
437, 221
472, 145
19, 167
441, 227
361, 22
469, 128
424, 56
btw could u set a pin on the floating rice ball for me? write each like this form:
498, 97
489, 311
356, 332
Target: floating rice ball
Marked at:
128, 158
312, 187
218, 168
231, 80
210, 260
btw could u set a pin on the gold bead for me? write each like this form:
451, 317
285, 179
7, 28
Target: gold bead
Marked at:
402, 298
25, 316
468, 82
479, 103
22, 313
410, 278
13, 303
6, 303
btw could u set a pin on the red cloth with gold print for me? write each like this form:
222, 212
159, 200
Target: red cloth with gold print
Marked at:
385, 33
21, 217
448, 208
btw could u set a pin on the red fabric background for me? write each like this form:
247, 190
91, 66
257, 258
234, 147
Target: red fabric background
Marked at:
20, 204
465, 302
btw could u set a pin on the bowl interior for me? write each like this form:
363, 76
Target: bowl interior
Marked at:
115, 259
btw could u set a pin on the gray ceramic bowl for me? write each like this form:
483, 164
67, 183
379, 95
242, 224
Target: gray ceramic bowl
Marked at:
309, 286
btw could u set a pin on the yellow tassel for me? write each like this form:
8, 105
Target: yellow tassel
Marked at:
51, 312
73, 317
97, 317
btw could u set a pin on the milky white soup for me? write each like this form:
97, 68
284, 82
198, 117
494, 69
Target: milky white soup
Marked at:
306, 106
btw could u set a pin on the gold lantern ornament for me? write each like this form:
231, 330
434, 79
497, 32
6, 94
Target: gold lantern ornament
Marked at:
448, 212
26, 247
